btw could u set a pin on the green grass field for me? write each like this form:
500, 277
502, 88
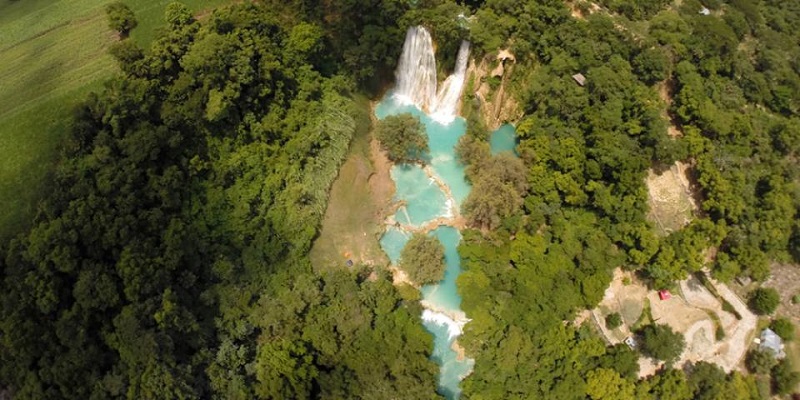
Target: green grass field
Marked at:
353, 221
52, 53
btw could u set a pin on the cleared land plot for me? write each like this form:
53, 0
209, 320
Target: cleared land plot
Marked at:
52, 53
670, 199
359, 200
785, 278
692, 311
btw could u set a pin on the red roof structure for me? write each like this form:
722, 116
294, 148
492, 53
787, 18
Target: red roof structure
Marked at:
664, 295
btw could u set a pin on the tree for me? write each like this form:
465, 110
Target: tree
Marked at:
403, 137
121, 18
667, 385
661, 342
423, 259
784, 328
759, 362
177, 14
764, 301
784, 378
613, 321
127, 54
652, 65
606, 384
623, 359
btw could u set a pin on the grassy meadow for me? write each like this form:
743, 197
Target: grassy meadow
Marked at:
52, 53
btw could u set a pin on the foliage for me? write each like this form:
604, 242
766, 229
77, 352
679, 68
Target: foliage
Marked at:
784, 328
764, 300
661, 342
121, 18
403, 137
169, 259
499, 184
760, 362
422, 259
784, 377
603, 383
613, 320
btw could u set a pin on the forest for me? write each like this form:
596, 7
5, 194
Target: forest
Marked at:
169, 257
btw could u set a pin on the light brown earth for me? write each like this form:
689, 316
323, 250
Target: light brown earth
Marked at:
360, 198
785, 278
670, 196
665, 91
688, 312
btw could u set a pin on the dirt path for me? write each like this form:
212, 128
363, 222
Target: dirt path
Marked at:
693, 311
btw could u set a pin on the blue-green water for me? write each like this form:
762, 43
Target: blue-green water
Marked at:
503, 139
442, 141
425, 201
445, 293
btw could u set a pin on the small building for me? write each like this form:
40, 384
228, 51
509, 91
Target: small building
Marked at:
705, 11
664, 294
580, 79
770, 341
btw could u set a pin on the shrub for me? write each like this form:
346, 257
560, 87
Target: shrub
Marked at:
784, 328
764, 300
423, 259
403, 137
661, 342
759, 362
613, 321
784, 379
120, 18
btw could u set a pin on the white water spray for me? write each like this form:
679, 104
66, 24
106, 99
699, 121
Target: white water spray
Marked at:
454, 327
416, 71
445, 109
416, 77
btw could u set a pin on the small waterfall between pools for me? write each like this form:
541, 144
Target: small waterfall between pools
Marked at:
432, 195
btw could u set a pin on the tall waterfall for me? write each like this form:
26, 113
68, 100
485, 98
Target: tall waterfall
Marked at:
445, 109
416, 71
416, 77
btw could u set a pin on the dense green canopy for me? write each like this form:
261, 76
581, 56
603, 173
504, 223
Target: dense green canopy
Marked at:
170, 258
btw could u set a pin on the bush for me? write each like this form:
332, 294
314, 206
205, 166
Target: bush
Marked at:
784, 328
784, 379
661, 342
423, 259
120, 17
613, 321
403, 137
759, 362
764, 301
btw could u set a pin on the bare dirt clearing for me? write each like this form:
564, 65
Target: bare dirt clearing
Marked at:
692, 311
670, 197
785, 279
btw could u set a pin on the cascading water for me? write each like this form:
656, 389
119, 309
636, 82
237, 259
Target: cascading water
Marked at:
416, 77
416, 71
432, 195
445, 108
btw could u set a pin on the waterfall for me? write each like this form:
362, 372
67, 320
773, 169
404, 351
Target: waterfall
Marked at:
416, 71
445, 108
416, 77
453, 327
